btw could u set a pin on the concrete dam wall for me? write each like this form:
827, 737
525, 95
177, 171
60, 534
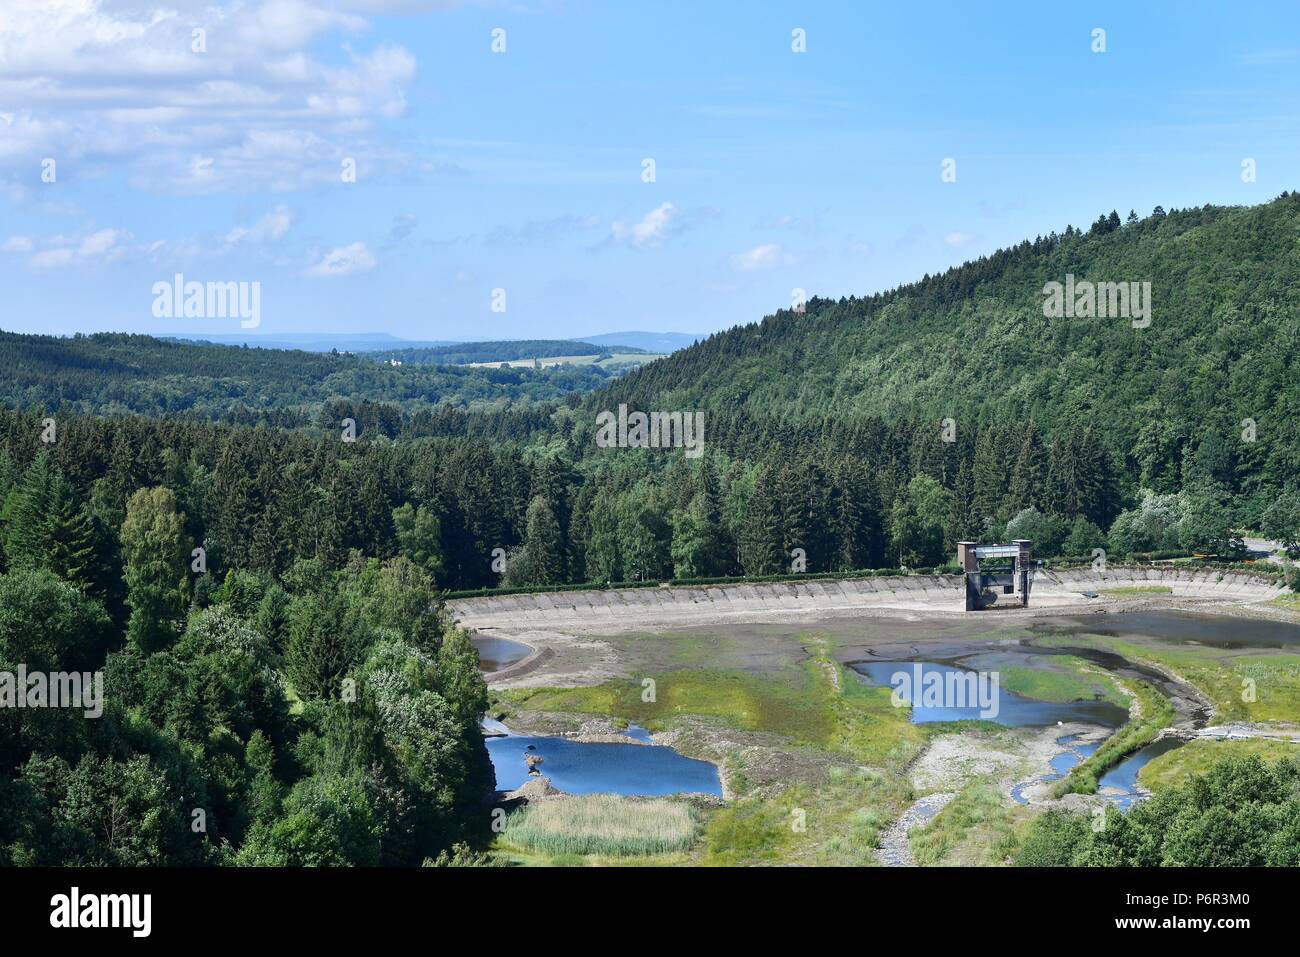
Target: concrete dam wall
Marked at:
698, 604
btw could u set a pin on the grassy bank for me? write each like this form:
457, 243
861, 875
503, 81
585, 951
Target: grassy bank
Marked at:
1247, 685
1154, 713
799, 703
1175, 768
835, 823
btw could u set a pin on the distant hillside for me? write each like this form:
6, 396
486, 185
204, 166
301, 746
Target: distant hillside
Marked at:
627, 342
313, 341
660, 342
505, 350
110, 373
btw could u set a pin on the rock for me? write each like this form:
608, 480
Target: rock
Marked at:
535, 789
895, 850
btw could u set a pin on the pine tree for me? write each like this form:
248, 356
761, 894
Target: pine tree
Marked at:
762, 536
989, 476
543, 544
720, 544
855, 518
695, 541
72, 553
604, 561
964, 523
28, 527
1027, 488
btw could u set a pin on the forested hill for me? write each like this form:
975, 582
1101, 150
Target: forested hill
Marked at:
108, 373
1222, 345
464, 353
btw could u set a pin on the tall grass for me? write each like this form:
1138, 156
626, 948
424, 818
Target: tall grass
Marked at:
976, 828
602, 824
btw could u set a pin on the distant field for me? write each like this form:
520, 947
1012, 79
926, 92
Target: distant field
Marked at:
617, 358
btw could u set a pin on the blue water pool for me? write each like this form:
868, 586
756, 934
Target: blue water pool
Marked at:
599, 768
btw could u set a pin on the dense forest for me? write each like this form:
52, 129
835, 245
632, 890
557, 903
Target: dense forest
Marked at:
253, 544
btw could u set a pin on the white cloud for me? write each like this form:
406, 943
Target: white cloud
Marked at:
344, 261
101, 246
270, 227
279, 86
101, 243
767, 256
651, 230
958, 239
49, 258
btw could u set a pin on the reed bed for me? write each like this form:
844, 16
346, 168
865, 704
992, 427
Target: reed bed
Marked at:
603, 824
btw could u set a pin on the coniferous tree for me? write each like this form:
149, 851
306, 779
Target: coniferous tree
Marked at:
604, 561
28, 528
854, 522
1028, 483
543, 544
965, 523
761, 535
989, 476
49, 529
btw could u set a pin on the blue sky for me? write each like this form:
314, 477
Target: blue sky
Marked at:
522, 170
